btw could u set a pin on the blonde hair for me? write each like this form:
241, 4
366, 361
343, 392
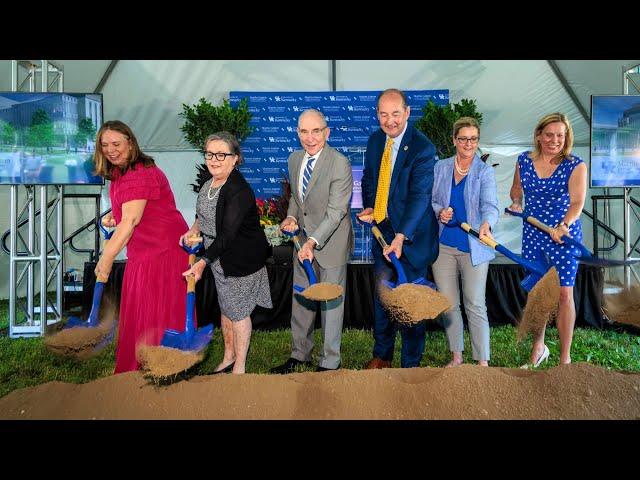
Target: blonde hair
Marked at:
568, 138
463, 122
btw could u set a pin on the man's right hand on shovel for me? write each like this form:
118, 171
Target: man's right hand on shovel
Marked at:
306, 252
365, 215
289, 224
395, 246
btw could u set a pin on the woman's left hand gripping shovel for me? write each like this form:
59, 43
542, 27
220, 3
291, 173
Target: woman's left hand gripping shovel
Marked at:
585, 256
192, 338
321, 292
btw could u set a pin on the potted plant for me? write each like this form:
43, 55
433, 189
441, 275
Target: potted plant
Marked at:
437, 124
203, 119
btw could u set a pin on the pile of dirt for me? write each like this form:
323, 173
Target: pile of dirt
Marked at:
410, 303
624, 307
542, 304
577, 391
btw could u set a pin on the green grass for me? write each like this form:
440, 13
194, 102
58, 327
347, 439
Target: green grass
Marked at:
26, 362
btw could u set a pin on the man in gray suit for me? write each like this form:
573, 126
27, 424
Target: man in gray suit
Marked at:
321, 186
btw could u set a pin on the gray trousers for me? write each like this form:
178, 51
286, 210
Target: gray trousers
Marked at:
303, 313
446, 268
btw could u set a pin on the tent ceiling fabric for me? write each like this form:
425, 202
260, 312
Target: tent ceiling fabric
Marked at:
512, 94
149, 94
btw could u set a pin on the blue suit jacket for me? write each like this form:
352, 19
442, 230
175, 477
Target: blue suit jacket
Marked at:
409, 203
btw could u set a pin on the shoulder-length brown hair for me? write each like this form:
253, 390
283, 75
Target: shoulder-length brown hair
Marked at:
568, 136
104, 167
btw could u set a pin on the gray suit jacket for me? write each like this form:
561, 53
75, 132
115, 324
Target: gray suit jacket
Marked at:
324, 214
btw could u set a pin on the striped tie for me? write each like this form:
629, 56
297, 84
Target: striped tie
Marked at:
306, 177
384, 179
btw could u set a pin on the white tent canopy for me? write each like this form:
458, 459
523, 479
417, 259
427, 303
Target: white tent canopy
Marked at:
512, 95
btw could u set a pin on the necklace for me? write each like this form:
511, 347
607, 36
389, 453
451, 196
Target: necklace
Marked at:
461, 171
215, 194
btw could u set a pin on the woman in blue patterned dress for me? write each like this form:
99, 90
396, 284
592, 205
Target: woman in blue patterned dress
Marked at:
554, 184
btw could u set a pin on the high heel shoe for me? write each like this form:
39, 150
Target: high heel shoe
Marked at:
544, 356
227, 369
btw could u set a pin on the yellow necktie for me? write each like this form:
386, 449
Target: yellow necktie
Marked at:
384, 180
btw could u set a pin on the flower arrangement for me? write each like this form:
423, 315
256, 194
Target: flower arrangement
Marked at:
271, 212
267, 212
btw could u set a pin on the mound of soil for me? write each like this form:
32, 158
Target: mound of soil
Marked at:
577, 391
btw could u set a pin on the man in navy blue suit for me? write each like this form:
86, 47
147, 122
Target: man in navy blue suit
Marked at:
400, 201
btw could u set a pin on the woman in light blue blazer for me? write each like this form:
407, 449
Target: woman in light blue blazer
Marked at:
465, 186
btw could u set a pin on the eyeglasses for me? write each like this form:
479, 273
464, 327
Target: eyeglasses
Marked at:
316, 132
221, 156
468, 139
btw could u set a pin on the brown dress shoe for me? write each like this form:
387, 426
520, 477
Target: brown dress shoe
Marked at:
377, 363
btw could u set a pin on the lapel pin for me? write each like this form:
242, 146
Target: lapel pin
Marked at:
406, 147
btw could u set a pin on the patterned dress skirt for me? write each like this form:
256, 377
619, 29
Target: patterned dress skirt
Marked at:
237, 296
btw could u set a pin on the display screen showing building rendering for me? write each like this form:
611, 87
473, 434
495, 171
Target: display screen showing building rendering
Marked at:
48, 138
615, 141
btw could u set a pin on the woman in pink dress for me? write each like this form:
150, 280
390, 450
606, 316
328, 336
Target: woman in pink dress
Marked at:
146, 222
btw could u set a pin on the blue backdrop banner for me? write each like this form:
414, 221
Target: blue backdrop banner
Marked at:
351, 116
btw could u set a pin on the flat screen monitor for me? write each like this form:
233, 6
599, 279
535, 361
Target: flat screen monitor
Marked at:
615, 141
49, 138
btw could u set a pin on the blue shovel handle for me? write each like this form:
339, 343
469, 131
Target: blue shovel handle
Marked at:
106, 233
93, 319
305, 263
310, 273
584, 251
529, 265
585, 256
402, 277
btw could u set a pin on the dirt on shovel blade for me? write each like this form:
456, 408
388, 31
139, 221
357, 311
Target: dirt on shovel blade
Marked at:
163, 363
322, 291
542, 304
78, 342
410, 303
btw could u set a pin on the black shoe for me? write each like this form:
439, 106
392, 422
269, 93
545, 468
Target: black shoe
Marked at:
323, 369
227, 369
288, 366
